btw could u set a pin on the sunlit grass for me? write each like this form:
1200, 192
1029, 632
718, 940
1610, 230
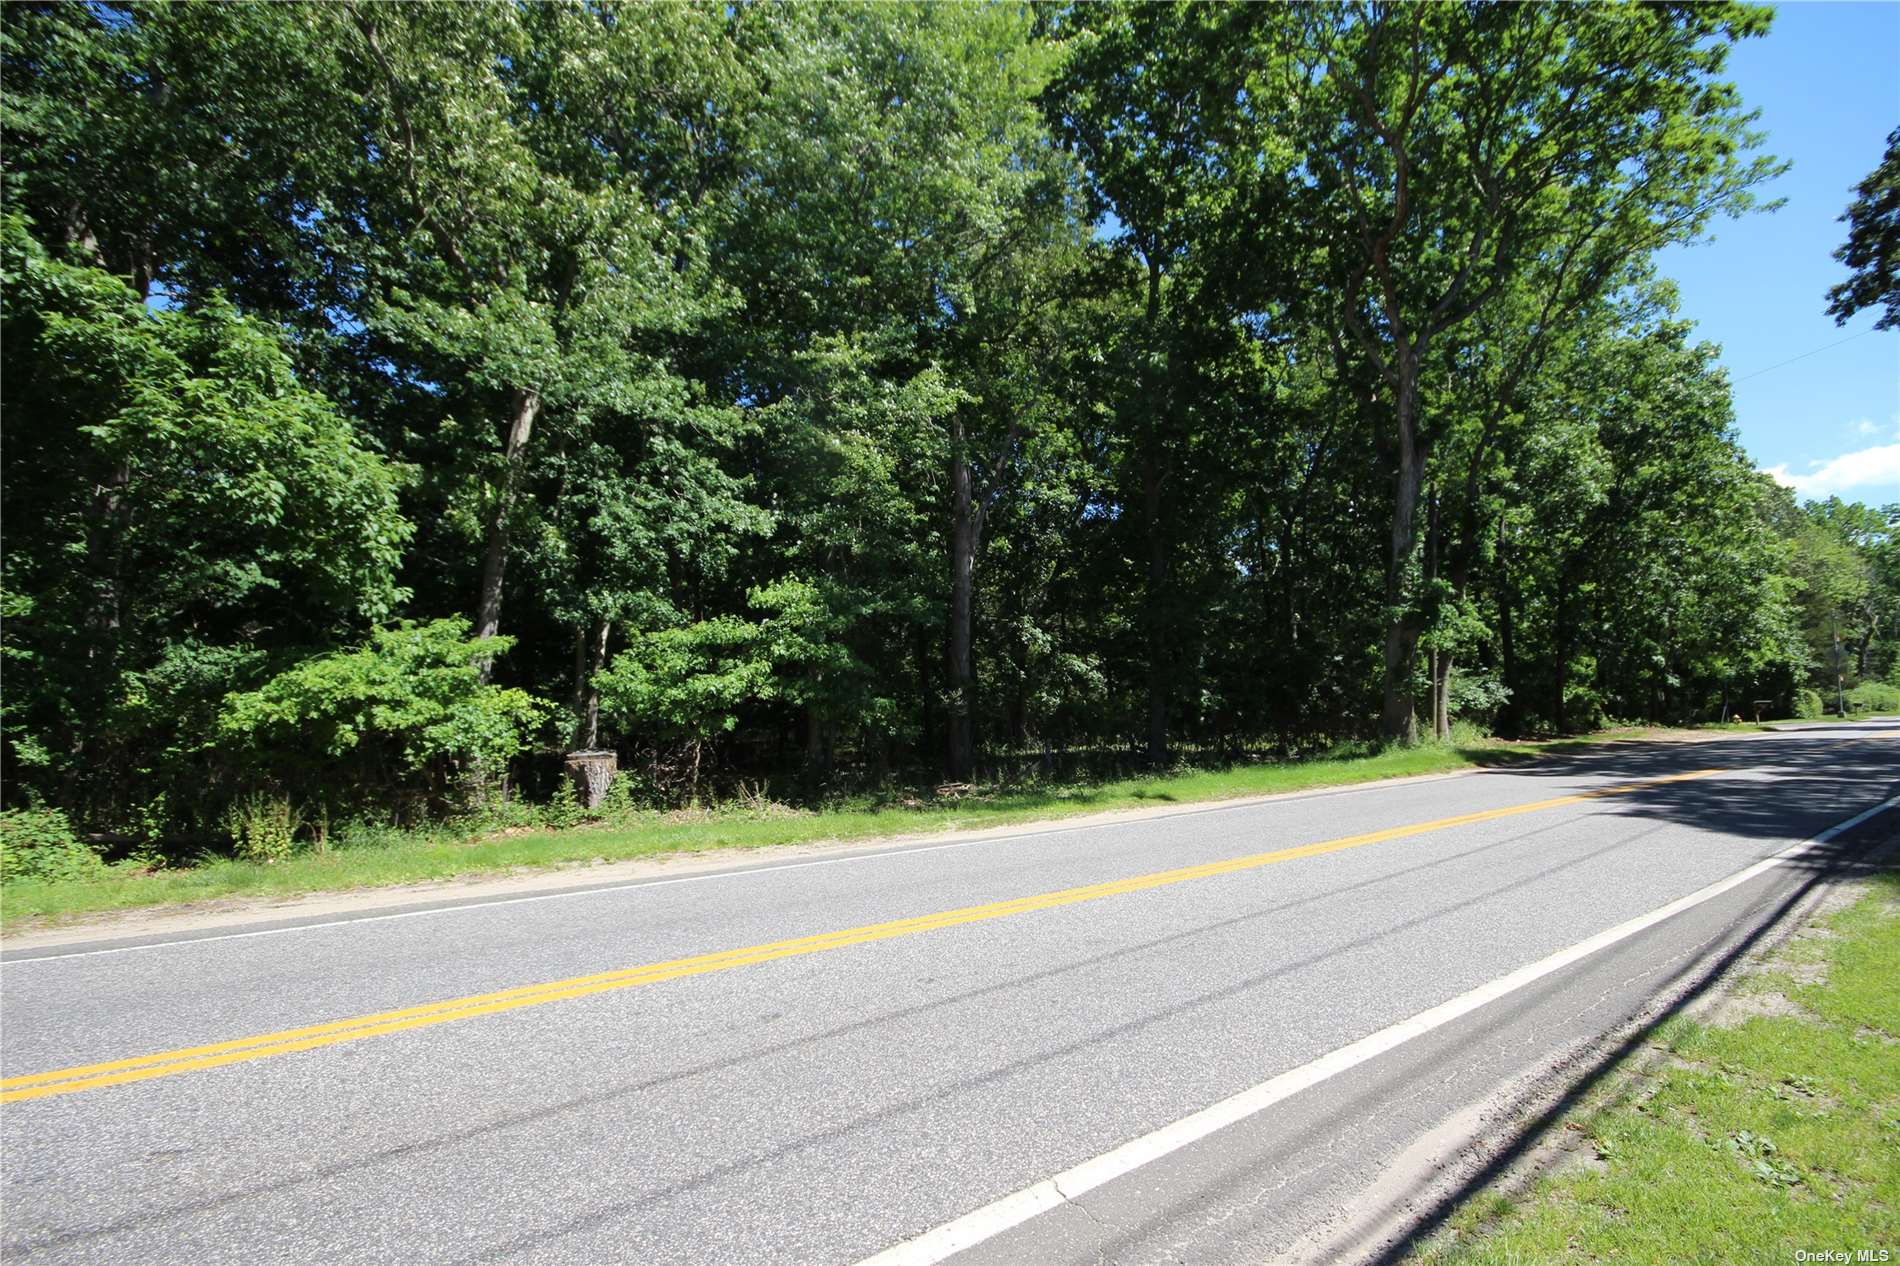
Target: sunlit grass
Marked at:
439, 853
1745, 1144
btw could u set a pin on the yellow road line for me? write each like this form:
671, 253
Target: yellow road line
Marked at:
187, 1059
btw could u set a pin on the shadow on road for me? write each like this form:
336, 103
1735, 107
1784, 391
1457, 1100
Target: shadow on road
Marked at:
1778, 789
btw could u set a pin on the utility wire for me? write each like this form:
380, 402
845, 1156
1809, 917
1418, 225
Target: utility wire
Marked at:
1803, 356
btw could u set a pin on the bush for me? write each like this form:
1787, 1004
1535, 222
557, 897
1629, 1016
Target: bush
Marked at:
494, 813
40, 844
1874, 696
1468, 733
404, 718
263, 828
1807, 704
1583, 710
1477, 696
564, 808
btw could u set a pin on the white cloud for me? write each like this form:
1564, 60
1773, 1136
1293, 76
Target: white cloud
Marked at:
1864, 474
1864, 426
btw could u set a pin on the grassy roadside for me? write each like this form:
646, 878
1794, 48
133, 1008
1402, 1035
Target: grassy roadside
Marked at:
1773, 1127
446, 853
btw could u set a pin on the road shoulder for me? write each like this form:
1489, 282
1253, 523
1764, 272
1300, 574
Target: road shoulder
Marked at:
246, 913
1756, 1118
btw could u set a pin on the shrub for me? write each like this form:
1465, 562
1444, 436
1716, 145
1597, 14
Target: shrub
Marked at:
1468, 733
564, 807
1874, 696
368, 832
1807, 703
406, 717
627, 797
263, 828
1477, 696
40, 844
1583, 710
493, 812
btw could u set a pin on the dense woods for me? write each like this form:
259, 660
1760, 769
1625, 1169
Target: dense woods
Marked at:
398, 397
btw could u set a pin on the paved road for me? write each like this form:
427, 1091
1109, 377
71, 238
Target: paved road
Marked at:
811, 1063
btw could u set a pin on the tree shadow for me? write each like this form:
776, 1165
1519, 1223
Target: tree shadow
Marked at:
1763, 790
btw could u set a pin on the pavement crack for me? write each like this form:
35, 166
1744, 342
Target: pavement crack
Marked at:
1108, 1231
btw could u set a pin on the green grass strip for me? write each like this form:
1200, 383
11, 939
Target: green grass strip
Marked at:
1748, 1142
445, 853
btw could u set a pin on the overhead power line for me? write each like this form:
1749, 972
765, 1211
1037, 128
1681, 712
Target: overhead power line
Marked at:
1803, 356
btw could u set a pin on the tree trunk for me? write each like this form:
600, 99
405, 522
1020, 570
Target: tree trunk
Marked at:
1508, 722
817, 743
1441, 694
591, 774
1400, 719
105, 552
527, 407
1441, 656
577, 696
1154, 399
926, 721
960, 756
1560, 637
1866, 644
590, 656
1160, 650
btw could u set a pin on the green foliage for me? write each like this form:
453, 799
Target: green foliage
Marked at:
405, 713
262, 828
687, 684
1478, 695
623, 799
179, 509
563, 809
40, 844
1872, 249
1807, 703
1874, 696
1467, 733
774, 383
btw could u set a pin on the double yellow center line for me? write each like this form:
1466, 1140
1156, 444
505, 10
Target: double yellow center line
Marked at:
66, 1081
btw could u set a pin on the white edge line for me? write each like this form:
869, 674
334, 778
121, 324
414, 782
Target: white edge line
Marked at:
1013, 1210
740, 871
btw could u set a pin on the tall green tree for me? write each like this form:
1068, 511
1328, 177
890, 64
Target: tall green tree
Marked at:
1872, 249
1148, 100
181, 515
1446, 150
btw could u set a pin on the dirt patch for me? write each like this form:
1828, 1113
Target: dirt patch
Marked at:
1736, 1008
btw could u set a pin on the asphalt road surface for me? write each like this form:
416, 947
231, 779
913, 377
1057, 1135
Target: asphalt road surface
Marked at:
821, 1062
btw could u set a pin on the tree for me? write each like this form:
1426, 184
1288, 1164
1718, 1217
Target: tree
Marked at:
546, 208
835, 395
180, 514
1146, 98
403, 718
1444, 151
897, 170
1872, 249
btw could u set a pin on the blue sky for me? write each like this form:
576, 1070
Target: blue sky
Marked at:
1827, 82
